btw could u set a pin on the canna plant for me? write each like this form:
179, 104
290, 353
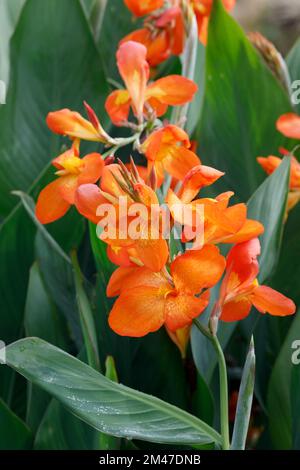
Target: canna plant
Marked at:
176, 259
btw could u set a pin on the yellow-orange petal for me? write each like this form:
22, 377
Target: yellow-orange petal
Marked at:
134, 69
178, 161
138, 312
198, 269
153, 253
235, 310
289, 125
250, 229
124, 278
88, 198
172, 90
181, 338
119, 255
50, 205
181, 308
117, 106
109, 182
143, 7
71, 123
268, 300
92, 169
68, 187
198, 177
157, 144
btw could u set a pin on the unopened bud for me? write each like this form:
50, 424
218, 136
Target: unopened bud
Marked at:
152, 179
109, 160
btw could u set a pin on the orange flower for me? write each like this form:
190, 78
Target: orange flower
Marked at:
202, 9
167, 149
134, 69
149, 300
143, 7
57, 197
221, 224
117, 181
240, 289
289, 125
72, 124
269, 164
162, 35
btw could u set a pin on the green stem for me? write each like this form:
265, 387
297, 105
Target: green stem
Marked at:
223, 383
122, 142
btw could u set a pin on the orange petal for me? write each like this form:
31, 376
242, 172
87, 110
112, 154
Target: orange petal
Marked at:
172, 90
128, 278
143, 7
180, 309
134, 69
88, 198
138, 312
236, 310
153, 253
179, 161
119, 255
68, 187
71, 123
269, 164
158, 49
198, 269
269, 300
108, 180
93, 166
197, 178
250, 229
181, 338
156, 146
289, 125
117, 106
50, 205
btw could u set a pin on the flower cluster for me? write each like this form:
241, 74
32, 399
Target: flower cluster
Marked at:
155, 286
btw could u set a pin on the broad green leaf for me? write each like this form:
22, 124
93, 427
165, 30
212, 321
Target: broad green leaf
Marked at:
280, 389
268, 205
9, 14
43, 320
195, 106
244, 404
61, 430
105, 405
242, 102
293, 62
14, 434
55, 64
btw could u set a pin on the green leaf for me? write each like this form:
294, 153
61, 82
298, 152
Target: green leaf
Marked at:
279, 392
86, 317
55, 64
105, 405
9, 15
293, 62
244, 404
242, 102
196, 105
268, 205
14, 434
295, 404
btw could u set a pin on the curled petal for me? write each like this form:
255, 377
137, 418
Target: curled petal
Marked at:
198, 177
88, 198
143, 7
117, 106
250, 229
138, 312
134, 69
50, 205
198, 269
72, 124
289, 125
158, 45
172, 90
269, 300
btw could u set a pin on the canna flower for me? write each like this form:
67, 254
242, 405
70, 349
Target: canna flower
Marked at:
269, 164
117, 181
141, 97
221, 223
289, 125
240, 288
162, 34
57, 197
167, 149
143, 7
202, 10
148, 300
72, 124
